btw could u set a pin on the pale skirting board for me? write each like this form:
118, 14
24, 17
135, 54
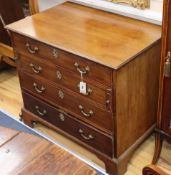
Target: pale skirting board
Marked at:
152, 15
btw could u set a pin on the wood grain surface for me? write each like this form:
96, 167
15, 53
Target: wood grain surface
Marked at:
153, 170
164, 123
10, 10
10, 94
87, 32
164, 110
66, 78
6, 135
137, 93
64, 59
103, 38
23, 153
70, 103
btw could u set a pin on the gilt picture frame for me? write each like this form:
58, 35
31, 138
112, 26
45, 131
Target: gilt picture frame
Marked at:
141, 4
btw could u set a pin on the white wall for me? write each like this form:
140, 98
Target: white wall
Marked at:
44, 4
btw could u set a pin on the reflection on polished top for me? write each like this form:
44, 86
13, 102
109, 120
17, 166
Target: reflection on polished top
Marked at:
103, 37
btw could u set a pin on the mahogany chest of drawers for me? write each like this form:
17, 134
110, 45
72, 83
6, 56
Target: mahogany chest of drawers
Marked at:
90, 75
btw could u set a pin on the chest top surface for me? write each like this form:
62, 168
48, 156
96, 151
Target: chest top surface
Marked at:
103, 37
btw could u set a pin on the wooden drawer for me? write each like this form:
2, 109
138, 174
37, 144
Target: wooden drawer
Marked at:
59, 57
68, 79
60, 97
62, 120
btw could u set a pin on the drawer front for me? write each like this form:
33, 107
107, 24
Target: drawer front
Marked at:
46, 53
62, 120
67, 79
69, 101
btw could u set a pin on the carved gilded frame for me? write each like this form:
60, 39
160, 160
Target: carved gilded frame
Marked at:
141, 4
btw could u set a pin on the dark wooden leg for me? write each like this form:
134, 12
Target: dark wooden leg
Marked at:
110, 165
26, 119
116, 166
123, 163
28, 123
158, 146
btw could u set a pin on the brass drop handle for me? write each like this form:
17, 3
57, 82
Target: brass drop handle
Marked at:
89, 137
30, 49
39, 112
39, 90
35, 69
89, 90
89, 114
83, 70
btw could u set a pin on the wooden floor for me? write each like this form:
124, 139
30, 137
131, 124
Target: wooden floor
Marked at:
11, 102
14, 146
